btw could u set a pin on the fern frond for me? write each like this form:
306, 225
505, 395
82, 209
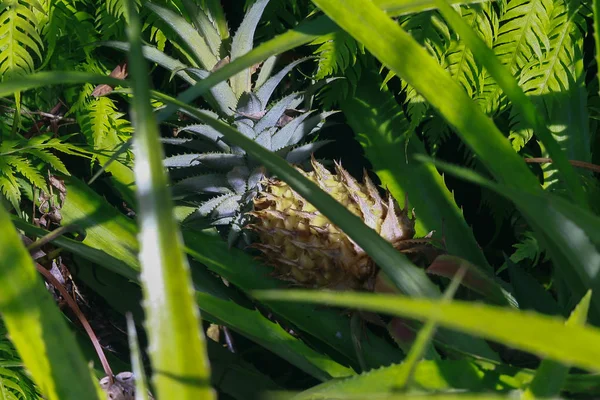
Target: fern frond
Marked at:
522, 38
50, 159
337, 51
24, 167
8, 184
68, 26
19, 35
523, 33
458, 59
97, 123
22, 160
556, 82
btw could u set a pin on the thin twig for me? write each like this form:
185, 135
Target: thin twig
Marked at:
575, 163
86, 325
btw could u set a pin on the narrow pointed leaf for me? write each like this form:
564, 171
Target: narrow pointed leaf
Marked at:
551, 376
35, 324
176, 342
242, 43
527, 331
190, 36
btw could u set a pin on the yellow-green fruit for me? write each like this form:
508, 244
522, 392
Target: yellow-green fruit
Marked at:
304, 247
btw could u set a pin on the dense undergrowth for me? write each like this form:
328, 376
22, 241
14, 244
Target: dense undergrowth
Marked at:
459, 137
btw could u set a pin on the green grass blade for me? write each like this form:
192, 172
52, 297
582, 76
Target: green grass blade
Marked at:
402, 54
379, 124
429, 376
253, 325
536, 333
551, 376
570, 235
41, 79
36, 327
596, 10
248, 274
137, 364
511, 88
176, 342
425, 336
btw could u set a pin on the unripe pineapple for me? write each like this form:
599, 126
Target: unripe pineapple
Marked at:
304, 247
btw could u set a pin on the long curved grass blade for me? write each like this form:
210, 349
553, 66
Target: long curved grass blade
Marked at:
596, 9
551, 376
575, 345
137, 365
402, 54
248, 274
253, 325
35, 325
176, 342
511, 88
425, 335
41, 79
382, 129
571, 235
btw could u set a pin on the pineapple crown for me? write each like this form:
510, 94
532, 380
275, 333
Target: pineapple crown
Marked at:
221, 173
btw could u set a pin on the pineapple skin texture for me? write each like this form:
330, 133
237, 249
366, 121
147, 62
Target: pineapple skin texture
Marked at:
305, 248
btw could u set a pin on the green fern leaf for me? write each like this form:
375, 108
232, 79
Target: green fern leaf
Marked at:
97, 124
19, 35
523, 33
556, 83
458, 59
337, 51
24, 167
50, 159
8, 184
430, 31
522, 38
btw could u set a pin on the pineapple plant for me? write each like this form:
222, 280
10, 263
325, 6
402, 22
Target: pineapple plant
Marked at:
304, 247
216, 177
231, 190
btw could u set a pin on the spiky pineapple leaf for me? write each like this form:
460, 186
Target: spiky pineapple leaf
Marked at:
209, 160
265, 91
200, 50
202, 21
242, 43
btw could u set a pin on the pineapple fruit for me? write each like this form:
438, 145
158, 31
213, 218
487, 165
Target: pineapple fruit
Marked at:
304, 247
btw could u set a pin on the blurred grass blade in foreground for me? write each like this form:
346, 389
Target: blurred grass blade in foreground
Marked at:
176, 341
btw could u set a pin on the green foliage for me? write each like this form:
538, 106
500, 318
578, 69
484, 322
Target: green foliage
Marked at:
14, 381
29, 160
411, 82
19, 37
